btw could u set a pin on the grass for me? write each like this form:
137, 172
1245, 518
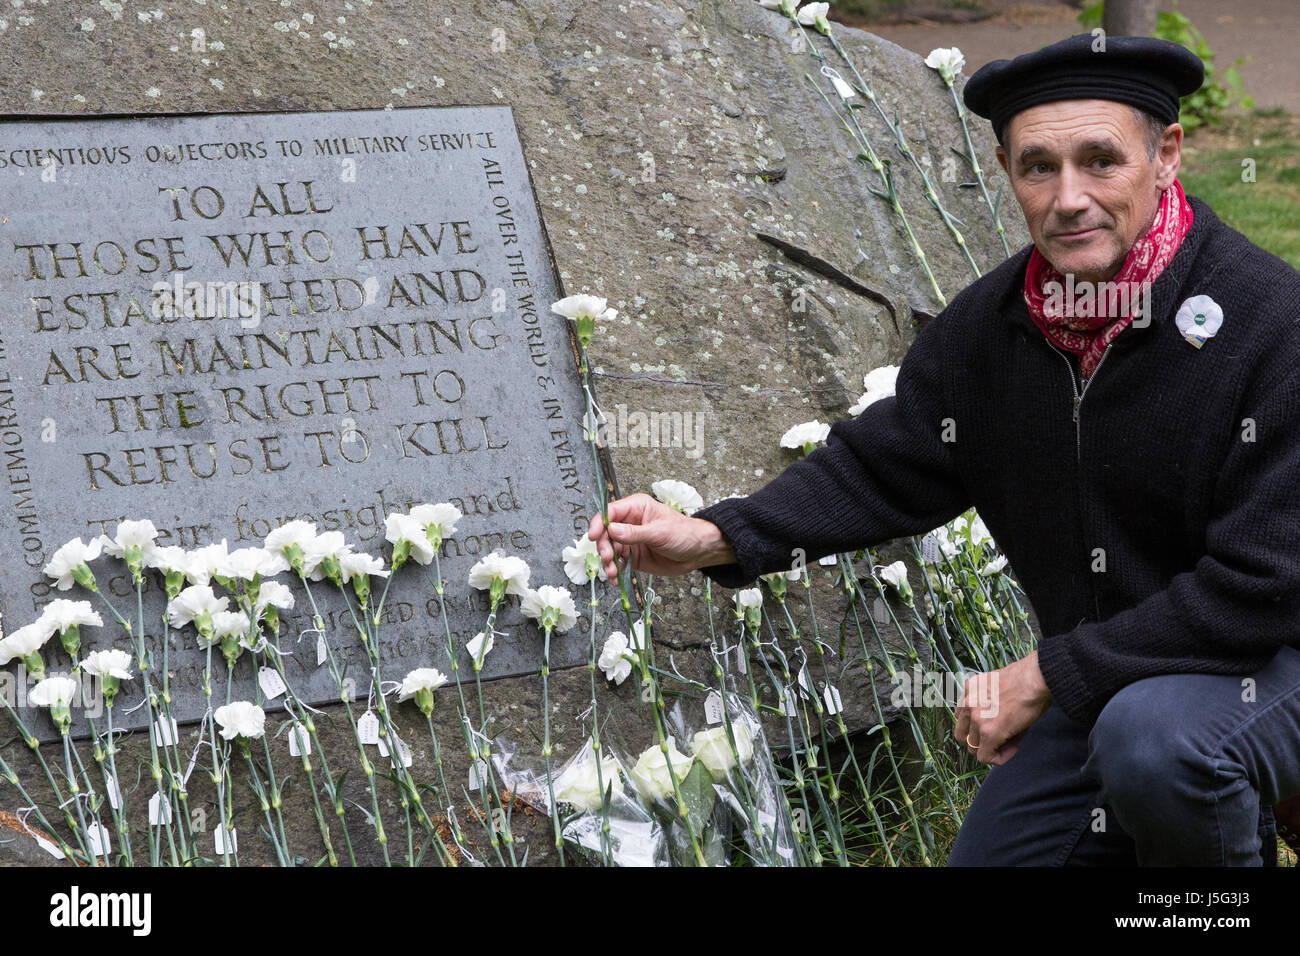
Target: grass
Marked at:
1264, 210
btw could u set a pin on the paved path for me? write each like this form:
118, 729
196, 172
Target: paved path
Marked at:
1267, 31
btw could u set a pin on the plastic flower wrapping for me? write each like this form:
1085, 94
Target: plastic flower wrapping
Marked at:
624, 806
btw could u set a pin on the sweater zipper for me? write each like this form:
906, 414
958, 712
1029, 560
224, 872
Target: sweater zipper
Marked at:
1078, 444
1078, 395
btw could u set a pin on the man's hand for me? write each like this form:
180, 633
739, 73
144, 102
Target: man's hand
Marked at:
656, 539
998, 707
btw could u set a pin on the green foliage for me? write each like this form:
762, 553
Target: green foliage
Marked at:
1216, 94
1262, 205
1204, 106
1090, 16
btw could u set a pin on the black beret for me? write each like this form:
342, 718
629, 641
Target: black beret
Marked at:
1145, 72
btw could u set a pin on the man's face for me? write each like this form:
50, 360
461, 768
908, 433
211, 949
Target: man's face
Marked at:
1080, 173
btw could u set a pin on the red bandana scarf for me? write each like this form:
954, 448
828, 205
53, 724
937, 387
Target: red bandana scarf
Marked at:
1086, 322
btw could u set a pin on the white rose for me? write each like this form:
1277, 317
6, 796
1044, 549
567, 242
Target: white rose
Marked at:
578, 785
650, 773
712, 748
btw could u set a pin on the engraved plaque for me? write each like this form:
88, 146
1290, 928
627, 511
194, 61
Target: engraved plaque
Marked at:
224, 322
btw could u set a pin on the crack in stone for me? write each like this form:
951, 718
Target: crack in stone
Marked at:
817, 264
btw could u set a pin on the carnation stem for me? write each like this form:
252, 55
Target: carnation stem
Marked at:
366, 767
369, 640
546, 744
7, 772
75, 790
900, 141
119, 812
34, 745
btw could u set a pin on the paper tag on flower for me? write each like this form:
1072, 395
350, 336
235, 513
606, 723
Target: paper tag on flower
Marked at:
299, 741
713, 708
806, 682
97, 836
368, 728
47, 846
742, 662
828, 559
160, 813
164, 731
789, 702
833, 703
110, 787
930, 548
402, 749
219, 839
880, 611
272, 684
322, 652
478, 774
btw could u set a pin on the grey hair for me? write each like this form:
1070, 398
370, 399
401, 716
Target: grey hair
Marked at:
1153, 127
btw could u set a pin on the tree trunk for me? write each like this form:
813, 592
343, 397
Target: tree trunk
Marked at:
1129, 18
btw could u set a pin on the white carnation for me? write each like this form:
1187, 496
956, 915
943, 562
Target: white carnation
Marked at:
805, 433
614, 660
512, 570
69, 557
241, 719
678, 494
537, 602
110, 663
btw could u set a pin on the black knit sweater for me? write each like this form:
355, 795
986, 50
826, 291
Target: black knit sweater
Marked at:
1161, 534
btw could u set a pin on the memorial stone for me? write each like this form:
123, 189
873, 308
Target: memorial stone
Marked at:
225, 322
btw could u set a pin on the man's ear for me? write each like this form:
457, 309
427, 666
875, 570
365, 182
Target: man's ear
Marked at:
1002, 158
1169, 156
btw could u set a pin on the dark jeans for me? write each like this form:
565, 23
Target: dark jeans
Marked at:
1178, 770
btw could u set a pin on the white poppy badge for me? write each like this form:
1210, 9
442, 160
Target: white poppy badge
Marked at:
1198, 319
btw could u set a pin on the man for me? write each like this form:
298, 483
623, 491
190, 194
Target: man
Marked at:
1155, 526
